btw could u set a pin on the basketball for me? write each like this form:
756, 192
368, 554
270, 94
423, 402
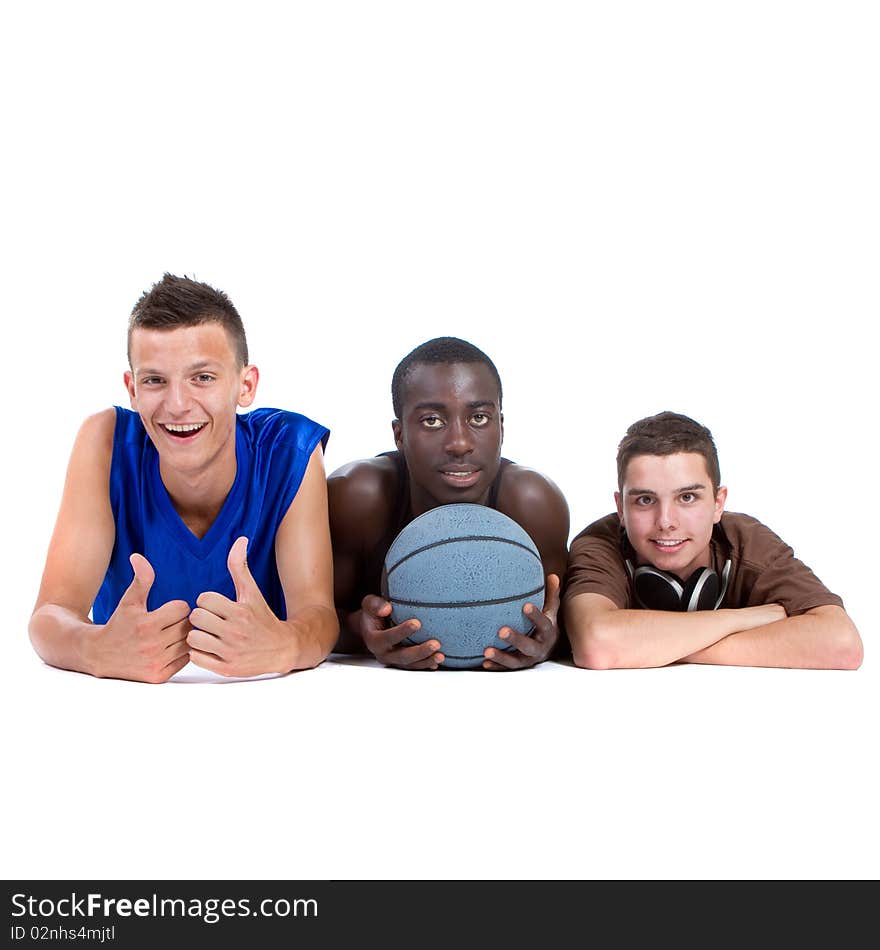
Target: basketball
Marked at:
464, 571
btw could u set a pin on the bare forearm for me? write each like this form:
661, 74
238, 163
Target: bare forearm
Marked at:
314, 631
64, 639
622, 639
811, 641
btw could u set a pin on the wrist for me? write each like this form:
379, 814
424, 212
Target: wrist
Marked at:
89, 639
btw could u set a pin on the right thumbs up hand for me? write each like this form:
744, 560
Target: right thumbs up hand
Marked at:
140, 644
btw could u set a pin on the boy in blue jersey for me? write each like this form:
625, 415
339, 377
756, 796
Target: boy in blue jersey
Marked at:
189, 531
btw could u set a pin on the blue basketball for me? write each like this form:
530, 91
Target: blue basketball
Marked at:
464, 571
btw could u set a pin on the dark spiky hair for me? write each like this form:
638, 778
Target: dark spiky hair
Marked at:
182, 302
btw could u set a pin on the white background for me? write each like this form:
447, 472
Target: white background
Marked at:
631, 207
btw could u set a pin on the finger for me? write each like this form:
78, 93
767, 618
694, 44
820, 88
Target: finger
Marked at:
504, 660
170, 613
430, 663
521, 642
205, 642
208, 622
175, 666
236, 563
381, 641
139, 589
216, 604
408, 657
376, 606
494, 667
544, 627
552, 586
209, 661
176, 635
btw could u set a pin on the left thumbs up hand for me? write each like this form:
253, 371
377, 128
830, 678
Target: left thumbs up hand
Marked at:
240, 637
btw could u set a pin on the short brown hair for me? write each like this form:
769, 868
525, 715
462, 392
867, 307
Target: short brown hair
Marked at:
665, 434
182, 302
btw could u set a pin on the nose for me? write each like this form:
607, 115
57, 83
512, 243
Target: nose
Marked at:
459, 439
176, 397
666, 520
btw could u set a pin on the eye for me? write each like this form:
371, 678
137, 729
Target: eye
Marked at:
205, 378
152, 381
642, 501
689, 497
432, 422
480, 419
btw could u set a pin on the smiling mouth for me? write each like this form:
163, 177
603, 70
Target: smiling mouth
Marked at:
185, 430
668, 544
463, 477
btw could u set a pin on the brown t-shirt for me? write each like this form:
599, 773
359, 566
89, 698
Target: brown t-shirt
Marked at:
764, 569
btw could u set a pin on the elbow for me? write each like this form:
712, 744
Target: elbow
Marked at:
35, 633
839, 646
848, 651
595, 648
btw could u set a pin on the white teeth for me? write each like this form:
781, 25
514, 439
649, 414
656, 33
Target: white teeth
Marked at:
190, 427
667, 544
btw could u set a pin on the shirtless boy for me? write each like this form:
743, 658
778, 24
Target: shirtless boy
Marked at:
448, 428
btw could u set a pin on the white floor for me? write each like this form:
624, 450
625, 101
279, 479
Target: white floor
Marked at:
355, 771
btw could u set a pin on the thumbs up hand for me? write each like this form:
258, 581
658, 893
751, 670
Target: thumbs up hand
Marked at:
246, 590
240, 637
140, 644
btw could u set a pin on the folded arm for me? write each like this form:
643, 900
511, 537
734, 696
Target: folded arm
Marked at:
605, 637
823, 638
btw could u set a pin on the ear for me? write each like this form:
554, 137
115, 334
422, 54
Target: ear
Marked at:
250, 376
720, 500
397, 429
501, 421
618, 500
128, 379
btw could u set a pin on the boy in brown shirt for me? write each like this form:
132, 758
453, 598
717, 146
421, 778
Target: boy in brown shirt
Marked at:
673, 577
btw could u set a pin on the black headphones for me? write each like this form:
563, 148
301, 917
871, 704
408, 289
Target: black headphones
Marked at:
659, 590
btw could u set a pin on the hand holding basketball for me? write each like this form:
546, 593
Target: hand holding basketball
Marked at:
384, 641
240, 637
529, 650
148, 646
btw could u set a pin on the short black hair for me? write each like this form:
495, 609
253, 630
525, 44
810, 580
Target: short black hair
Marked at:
176, 302
442, 349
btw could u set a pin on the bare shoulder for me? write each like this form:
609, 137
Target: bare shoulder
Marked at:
536, 503
530, 493
94, 441
362, 497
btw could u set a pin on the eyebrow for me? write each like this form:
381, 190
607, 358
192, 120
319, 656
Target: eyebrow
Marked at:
478, 404
194, 368
678, 491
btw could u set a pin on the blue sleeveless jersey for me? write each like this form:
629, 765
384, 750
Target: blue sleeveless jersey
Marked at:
272, 450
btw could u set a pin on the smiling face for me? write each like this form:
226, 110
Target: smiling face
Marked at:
185, 384
668, 509
450, 433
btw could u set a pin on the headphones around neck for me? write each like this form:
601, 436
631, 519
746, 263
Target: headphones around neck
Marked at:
659, 590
